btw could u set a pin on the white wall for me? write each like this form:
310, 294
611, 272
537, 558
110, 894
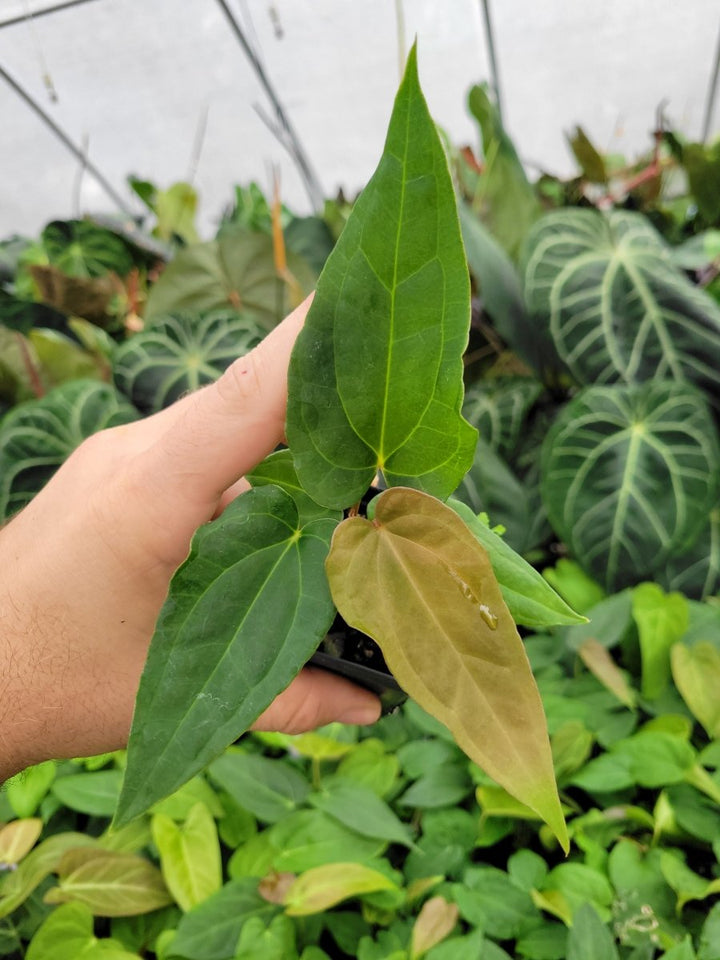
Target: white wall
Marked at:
134, 79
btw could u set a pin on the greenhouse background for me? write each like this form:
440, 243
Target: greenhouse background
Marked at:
169, 92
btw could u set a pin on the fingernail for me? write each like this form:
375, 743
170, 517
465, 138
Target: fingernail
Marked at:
364, 713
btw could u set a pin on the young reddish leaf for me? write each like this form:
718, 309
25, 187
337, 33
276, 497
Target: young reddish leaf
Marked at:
417, 581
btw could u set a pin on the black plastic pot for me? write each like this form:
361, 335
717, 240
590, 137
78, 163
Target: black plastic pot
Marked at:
351, 654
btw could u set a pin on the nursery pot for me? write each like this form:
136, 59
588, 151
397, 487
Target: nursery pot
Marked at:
352, 654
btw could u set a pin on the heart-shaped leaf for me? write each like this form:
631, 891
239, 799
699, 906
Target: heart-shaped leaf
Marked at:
385, 392
418, 582
618, 309
629, 475
245, 611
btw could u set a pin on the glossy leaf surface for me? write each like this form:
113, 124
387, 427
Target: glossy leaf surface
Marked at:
245, 611
375, 378
629, 474
418, 582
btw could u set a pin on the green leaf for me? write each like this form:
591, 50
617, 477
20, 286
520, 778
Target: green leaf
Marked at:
417, 581
443, 786
662, 619
616, 306
80, 248
529, 597
629, 475
37, 436
437, 919
590, 938
245, 611
696, 672
175, 209
687, 884
357, 807
385, 393
322, 887
211, 930
18, 885
26, 789
580, 884
236, 271
112, 884
67, 934
270, 789
696, 572
189, 856
17, 839
498, 409
655, 759
574, 585
261, 942
709, 946
503, 197
591, 162
279, 469
370, 765
490, 900
178, 354
93, 793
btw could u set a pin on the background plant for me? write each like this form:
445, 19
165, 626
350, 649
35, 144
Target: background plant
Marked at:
448, 865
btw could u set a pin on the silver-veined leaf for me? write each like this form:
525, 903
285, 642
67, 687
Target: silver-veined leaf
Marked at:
629, 475
37, 436
180, 353
618, 308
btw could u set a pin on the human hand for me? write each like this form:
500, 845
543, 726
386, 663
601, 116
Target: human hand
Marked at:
87, 564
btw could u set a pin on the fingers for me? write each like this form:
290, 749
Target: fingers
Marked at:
316, 697
207, 441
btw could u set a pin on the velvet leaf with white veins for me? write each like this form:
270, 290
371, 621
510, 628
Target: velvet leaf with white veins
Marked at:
418, 582
375, 378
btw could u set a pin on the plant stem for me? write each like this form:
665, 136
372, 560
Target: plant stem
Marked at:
494, 72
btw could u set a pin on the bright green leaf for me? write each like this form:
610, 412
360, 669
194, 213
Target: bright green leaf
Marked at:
386, 393
419, 583
662, 619
696, 671
189, 856
112, 884
590, 938
322, 887
67, 934
26, 790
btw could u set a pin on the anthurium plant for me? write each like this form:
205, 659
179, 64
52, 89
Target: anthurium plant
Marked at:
375, 389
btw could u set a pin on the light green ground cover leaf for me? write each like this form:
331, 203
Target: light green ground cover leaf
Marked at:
375, 378
112, 884
19, 884
322, 887
416, 567
92, 793
270, 789
26, 790
189, 856
696, 671
67, 934
246, 610
662, 620
17, 838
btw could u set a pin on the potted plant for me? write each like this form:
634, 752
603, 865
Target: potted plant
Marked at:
375, 387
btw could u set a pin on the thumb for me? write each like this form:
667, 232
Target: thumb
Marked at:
225, 429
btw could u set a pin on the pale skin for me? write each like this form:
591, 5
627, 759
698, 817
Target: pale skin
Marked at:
86, 566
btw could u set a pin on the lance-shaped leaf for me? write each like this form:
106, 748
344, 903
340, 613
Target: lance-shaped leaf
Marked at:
417, 581
375, 378
245, 611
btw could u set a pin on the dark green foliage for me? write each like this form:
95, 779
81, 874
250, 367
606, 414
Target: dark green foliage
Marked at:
180, 353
